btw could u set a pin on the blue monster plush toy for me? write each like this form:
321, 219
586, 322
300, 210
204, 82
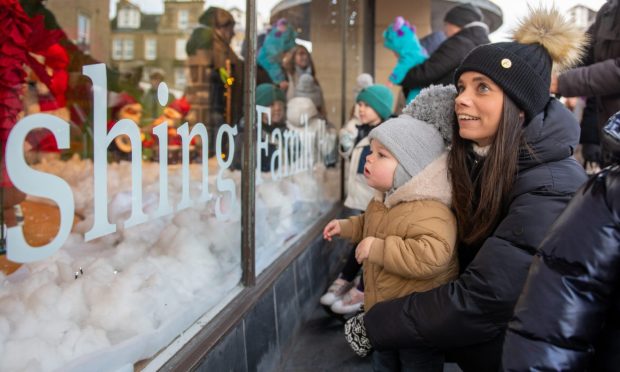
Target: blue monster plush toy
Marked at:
280, 39
400, 37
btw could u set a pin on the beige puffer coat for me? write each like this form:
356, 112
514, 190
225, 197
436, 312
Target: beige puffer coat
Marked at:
415, 237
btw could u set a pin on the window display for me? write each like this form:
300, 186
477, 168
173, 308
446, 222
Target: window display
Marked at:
121, 178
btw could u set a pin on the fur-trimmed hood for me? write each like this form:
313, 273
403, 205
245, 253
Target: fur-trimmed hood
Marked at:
431, 183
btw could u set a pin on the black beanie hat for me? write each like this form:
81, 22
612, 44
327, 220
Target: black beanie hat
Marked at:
523, 71
463, 14
522, 68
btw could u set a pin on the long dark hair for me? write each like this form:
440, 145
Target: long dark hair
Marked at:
480, 203
289, 62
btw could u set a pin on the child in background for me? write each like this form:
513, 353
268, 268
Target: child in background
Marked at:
374, 105
407, 235
400, 37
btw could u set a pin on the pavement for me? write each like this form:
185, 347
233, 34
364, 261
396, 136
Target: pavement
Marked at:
319, 345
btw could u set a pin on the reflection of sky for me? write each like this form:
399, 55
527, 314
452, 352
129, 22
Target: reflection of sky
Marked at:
513, 10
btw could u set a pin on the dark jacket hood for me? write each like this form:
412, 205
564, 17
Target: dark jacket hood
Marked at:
551, 135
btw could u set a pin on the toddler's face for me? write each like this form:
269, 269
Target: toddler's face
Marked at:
367, 114
380, 167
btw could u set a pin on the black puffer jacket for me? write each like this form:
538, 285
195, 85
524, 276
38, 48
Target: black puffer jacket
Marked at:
439, 68
475, 308
568, 316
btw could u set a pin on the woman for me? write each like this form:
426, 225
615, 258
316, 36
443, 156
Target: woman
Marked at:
512, 173
296, 63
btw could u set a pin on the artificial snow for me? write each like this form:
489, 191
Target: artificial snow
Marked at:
118, 299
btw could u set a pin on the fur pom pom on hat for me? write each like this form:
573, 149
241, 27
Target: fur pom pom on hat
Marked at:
420, 135
522, 68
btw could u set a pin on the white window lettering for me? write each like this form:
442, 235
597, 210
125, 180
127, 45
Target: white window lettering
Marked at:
38, 183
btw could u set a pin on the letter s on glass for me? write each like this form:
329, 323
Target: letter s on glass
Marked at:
38, 183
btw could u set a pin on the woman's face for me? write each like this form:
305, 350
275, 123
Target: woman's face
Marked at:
367, 114
478, 107
302, 59
380, 167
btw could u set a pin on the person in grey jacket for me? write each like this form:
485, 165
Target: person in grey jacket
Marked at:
512, 174
568, 316
465, 30
599, 75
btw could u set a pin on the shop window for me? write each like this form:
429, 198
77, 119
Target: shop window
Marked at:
123, 190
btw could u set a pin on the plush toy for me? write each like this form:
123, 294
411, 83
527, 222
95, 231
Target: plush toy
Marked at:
400, 37
280, 39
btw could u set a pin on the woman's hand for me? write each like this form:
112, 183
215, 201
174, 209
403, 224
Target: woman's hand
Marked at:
363, 249
331, 229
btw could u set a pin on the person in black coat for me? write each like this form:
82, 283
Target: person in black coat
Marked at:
599, 74
568, 316
465, 30
512, 174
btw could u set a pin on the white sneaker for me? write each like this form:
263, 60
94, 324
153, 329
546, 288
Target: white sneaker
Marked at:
335, 291
350, 303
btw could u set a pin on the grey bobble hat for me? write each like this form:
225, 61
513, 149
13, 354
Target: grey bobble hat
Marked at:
421, 134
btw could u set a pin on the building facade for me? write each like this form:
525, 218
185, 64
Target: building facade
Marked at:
142, 43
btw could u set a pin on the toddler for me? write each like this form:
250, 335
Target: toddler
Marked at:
406, 237
374, 105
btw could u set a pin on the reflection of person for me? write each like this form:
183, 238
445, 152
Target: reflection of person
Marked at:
465, 30
267, 95
512, 174
400, 37
567, 317
297, 63
599, 75
306, 86
150, 104
406, 237
215, 86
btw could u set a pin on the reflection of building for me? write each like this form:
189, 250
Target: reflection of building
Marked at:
86, 23
582, 16
154, 41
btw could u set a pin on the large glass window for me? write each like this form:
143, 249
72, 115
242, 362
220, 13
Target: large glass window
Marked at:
122, 181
